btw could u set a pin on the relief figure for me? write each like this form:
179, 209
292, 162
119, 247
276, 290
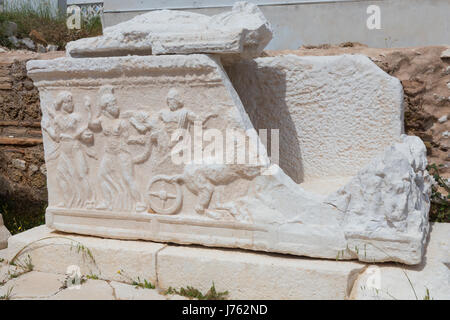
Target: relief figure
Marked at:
64, 127
174, 118
116, 169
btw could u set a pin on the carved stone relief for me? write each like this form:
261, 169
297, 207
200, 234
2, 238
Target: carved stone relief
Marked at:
122, 136
102, 176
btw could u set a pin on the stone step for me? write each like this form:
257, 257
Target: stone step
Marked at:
244, 274
37, 285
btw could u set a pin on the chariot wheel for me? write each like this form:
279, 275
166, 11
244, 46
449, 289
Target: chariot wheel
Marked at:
164, 195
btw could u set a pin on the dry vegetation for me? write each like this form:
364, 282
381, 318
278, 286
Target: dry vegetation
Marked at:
42, 24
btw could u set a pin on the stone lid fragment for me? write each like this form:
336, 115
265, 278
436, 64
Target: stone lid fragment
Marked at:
243, 32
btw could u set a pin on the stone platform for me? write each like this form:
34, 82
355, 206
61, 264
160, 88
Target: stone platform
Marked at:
113, 265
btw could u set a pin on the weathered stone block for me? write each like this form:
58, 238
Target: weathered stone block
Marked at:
109, 259
139, 147
242, 32
33, 285
244, 274
251, 276
334, 113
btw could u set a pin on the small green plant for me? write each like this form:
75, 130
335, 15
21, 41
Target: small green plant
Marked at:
340, 254
14, 275
427, 295
144, 285
92, 277
18, 220
193, 293
137, 283
440, 196
85, 251
7, 295
22, 267
93, 25
26, 265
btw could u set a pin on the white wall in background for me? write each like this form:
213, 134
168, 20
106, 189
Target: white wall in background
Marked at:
185, 4
54, 4
71, 2
404, 23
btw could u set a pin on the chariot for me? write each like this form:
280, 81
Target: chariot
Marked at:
164, 194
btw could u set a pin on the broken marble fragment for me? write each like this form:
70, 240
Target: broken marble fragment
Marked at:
243, 31
4, 234
385, 206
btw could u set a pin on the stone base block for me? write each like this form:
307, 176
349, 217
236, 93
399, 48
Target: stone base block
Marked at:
428, 280
248, 275
56, 252
32, 285
245, 275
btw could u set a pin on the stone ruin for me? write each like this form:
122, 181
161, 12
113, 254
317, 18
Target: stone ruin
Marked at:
342, 180
4, 234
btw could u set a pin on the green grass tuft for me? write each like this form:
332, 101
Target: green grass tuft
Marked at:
144, 285
440, 196
7, 295
18, 219
45, 20
191, 292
